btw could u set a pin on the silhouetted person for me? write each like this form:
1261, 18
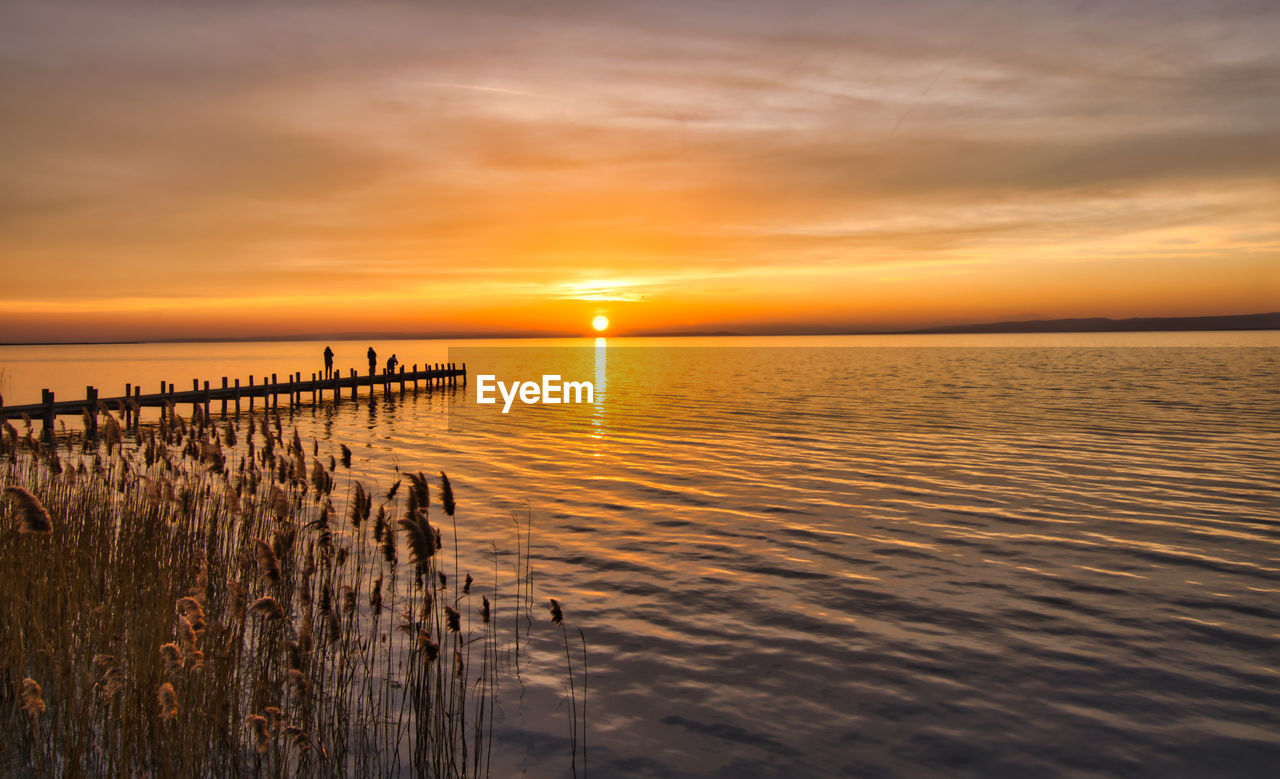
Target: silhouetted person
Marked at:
328, 363
373, 361
392, 362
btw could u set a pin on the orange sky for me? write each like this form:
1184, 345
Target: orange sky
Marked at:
194, 169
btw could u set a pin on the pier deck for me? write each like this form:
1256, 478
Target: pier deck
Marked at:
233, 395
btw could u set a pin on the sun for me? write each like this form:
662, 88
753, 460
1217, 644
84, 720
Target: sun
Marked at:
600, 323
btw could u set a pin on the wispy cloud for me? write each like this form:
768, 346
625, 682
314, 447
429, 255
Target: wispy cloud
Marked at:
684, 159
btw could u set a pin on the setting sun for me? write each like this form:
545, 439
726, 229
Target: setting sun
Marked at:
600, 323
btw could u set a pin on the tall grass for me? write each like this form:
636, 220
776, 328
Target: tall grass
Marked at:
194, 600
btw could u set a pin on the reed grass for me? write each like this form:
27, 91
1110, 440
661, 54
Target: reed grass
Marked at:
178, 602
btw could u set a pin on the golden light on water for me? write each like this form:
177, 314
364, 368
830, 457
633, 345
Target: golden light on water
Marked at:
600, 323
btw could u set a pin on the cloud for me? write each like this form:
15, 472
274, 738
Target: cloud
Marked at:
158, 150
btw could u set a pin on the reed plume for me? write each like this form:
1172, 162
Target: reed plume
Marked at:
168, 700
389, 544
199, 592
361, 505
375, 597
190, 610
268, 564
274, 718
111, 432
430, 649
267, 607
419, 492
186, 635
557, 616
237, 601
301, 684
320, 479
32, 698
258, 725
171, 657
346, 456
32, 515
297, 738
422, 542
453, 620
446, 494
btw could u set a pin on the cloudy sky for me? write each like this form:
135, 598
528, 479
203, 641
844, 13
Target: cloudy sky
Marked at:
253, 168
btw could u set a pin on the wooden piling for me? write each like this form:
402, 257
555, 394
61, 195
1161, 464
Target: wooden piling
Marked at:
91, 410
46, 397
237, 397
224, 396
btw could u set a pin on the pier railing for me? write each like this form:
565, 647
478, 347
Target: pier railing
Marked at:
232, 395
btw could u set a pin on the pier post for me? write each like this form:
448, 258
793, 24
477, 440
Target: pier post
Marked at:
137, 406
128, 407
355, 384
224, 396
46, 397
251, 393
91, 406
195, 400
401, 379
275, 392
237, 397
415, 378
464, 374
206, 401
313, 389
162, 386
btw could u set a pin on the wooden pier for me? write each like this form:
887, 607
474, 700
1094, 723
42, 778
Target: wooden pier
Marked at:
234, 396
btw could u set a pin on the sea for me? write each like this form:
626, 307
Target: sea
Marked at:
981, 555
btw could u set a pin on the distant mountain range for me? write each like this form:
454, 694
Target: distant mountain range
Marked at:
1270, 321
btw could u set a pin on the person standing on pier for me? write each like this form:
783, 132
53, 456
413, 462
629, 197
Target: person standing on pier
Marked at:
373, 361
392, 362
328, 363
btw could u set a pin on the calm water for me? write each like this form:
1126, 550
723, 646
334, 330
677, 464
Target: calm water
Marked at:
987, 555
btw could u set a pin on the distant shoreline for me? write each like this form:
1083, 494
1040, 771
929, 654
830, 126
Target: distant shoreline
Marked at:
1229, 323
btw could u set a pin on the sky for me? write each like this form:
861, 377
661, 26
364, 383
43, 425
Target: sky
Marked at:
228, 169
